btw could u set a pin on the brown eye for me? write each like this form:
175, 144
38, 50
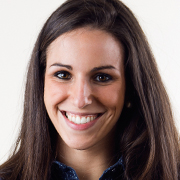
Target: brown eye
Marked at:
103, 78
63, 75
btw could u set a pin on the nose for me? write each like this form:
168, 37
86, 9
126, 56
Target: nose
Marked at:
81, 93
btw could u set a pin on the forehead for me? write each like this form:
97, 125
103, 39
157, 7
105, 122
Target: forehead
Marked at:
87, 44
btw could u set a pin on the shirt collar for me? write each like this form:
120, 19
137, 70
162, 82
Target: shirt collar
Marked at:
61, 171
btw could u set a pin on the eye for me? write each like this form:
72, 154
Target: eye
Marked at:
63, 75
103, 78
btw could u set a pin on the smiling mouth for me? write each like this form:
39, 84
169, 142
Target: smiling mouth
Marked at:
81, 119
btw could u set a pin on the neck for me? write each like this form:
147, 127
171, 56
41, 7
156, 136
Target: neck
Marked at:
89, 163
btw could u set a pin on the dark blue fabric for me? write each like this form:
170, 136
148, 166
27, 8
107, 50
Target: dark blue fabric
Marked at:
60, 171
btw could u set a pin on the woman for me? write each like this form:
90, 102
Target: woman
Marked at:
95, 106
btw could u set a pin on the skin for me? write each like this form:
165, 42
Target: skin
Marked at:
85, 76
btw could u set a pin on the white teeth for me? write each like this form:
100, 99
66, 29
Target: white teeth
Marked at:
70, 118
88, 119
73, 119
83, 120
80, 119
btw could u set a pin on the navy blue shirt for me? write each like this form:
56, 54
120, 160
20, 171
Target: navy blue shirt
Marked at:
60, 171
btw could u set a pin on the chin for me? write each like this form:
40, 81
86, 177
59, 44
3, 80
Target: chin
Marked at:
79, 144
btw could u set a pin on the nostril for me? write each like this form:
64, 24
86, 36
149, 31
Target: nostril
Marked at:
82, 101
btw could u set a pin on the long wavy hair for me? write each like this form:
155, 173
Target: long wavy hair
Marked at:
147, 137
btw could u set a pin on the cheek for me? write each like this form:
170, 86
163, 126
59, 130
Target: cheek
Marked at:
54, 93
112, 96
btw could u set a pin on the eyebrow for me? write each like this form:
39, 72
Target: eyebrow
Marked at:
62, 65
102, 67
93, 70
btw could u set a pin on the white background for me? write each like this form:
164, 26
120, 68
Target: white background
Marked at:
20, 23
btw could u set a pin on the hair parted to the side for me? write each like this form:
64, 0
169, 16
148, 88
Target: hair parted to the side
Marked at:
148, 139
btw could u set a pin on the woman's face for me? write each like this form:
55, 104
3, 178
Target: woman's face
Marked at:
84, 86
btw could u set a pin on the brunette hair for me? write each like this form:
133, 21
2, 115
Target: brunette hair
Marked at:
148, 140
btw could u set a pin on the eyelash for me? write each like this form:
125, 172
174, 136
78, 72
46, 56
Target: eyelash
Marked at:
99, 78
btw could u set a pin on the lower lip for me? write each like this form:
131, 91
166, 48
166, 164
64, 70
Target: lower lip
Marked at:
80, 127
